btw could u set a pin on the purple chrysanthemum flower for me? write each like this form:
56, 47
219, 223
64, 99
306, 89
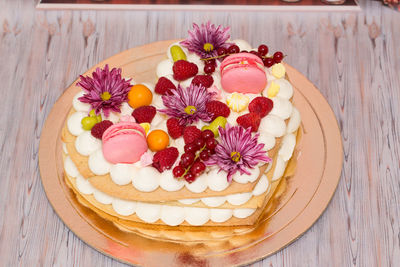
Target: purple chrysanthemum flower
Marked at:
206, 39
237, 150
188, 104
105, 90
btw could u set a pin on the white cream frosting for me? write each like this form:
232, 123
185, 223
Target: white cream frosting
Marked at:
78, 105
287, 146
86, 144
189, 201
70, 168
217, 181
285, 90
147, 179
164, 68
84, 185
262, 186
172, 215
267, 139
243, 45
245, 178
238, 199
169, 183
294, 121
243, 213
98, 164
220, 215
282, 108
124, 207
213, 201
102, 197
273, 125
148, 212
199, 185
196, 216
122, 173
279, 168
74, 124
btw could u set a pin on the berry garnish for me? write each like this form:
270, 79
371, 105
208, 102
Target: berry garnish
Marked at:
209, 68
190, 134
164, 159
255, 53
164, 86
211, 61
144, 114
211, 143
221, 51
263, 50
204, 155
189, 177
184, 70
197, 168
191, 148
249, 120
187, 159
199, 142
233, 49
209, 151
217, 108
244, 51
178, 171
261, 105
99, 128
207, 134
204, 80
268, 62
175, 129
278, 56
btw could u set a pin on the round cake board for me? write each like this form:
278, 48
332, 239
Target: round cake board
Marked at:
307, 194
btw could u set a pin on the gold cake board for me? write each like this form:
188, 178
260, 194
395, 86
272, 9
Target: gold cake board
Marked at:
307, 193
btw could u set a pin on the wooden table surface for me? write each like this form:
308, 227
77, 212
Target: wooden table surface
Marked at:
353, 58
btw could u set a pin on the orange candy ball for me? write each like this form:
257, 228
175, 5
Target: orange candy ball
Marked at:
157, 140
139, 95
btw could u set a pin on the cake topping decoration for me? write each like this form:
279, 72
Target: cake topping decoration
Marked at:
144, 114
98, 130
278, 70
237, 102
165, 159
164, 86
250, 120
177, 53
188, 105
215, 124
206, 39
105, 90
184, 70
237, 150
273, 89
157, 140
261, 105
139, 96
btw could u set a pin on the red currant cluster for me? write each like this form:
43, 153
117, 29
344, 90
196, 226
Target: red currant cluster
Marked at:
262, 51
191, 164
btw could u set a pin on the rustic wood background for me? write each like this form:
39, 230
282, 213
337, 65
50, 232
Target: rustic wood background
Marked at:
353, 58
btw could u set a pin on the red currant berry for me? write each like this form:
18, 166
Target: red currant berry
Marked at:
192, 148
263, 50
204, 155
255, 53
211, 143
210, 61
209, 151
221, 51
207, 134
209, 68
199, 143
189, 177
244, 51
233, 49
178, 171
187, 158
198, 168
268, 62
278, 56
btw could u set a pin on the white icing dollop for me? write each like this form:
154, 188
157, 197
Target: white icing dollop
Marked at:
122, 173
74, 124
217, 181
198, 186
98, 164
126, 110
70, 168
84, 185
123, 207
147, 179
189, 201
245, 178
287, 147
243, 213
172, 215
267, 139
294, 121
261, 186
164, 68
169, 183
282, 108
197, 216
80, 106
64, 147
220, 215
213, 201
112, 116
279, 168
273, 125
86, 144
102, 197
148, 212
238, 199
285, 88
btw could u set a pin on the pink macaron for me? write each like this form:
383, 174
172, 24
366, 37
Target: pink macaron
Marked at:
124, 142
243, 73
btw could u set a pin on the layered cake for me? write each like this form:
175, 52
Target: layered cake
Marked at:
202, 146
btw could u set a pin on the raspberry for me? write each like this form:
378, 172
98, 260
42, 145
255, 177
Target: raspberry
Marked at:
165, 159
164, 86
261, 105
99, 128
217, 108
205, 80
190, 134
249, 120
175, 129
184, 70
144, 114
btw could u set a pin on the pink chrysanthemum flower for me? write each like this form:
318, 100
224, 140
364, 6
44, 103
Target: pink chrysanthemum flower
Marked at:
188, 104
105, 90
237, 150
206, 39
